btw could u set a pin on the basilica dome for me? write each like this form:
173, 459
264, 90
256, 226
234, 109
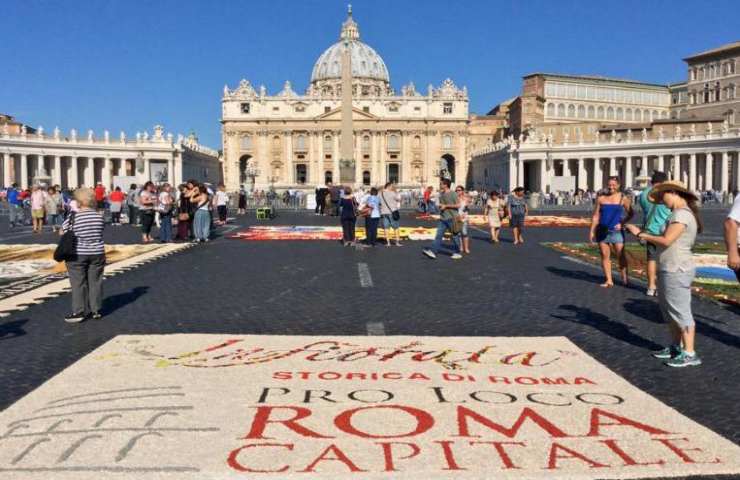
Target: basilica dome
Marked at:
366, 63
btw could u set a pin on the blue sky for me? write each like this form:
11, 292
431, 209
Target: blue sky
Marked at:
129, 64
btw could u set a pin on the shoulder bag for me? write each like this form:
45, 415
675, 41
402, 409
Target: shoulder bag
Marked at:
395, 214
67, 247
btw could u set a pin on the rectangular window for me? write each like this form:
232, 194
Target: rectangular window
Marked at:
447, 108
245, 107
417, 109
327, 109
275, 109
366, 109
394, 171
393, 108
327, 156
301, 173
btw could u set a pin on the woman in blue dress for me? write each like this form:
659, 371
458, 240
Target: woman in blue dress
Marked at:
613, 209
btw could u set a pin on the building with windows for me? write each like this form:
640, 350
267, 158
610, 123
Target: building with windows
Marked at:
292, 140
28, 157
571, 132
712, 86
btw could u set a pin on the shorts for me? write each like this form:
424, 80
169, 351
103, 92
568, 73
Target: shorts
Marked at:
610, 238
652, 252
464, 231
39, 213
517, 221
388, 222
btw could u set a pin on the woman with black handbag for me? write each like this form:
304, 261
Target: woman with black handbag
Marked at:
85, 257
390, 204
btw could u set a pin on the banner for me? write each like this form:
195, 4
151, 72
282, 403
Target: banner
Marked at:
192, 406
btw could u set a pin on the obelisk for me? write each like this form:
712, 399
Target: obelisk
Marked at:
346, 158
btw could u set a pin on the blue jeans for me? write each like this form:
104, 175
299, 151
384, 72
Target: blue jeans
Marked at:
165, 227
15, 213
202, 224
442, 227
54, 220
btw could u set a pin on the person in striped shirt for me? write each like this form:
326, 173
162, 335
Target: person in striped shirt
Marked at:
86, 270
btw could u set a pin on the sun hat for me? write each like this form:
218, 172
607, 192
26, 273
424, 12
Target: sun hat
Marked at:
670, 186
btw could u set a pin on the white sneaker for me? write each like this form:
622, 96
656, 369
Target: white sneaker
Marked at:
429, 253
456, 256
652, 292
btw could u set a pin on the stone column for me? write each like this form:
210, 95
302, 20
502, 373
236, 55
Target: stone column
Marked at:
374, 157
513, 174
7, 161
90, 172
382, 163
598, 175
335, 158
661, 163
147, 170
692, 172
612, 166
171, 170
737, 170
582, 175
644, 165
724, 173
73, 176
56, 173
628, 179
177, 172
39, 166
319, 177
24, 171
289, 174
709, 171
676, 167
105, 174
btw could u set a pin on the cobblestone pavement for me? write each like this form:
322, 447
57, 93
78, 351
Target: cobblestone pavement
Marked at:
312, 288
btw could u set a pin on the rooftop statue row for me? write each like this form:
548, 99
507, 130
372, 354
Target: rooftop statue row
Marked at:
245, 91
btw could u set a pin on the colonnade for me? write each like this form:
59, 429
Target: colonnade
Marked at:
72, 171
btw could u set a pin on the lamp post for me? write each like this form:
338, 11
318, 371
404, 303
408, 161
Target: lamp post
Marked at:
252, 172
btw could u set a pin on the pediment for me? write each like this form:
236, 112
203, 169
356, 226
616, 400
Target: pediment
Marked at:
336, 114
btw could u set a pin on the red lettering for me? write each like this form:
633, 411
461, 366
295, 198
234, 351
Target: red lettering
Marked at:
475, 358
350, 376
234, 463
262, 418
628, 461
554, 381
424, 421
388, 453
330, 375
503, 455
526, 358
304, 375
499, 379
526, 381
596, 422
527, 413
681, 452
392, 376
449, 456
418, 376
339, 457
282, 375
453, 377
582, 380
554, 457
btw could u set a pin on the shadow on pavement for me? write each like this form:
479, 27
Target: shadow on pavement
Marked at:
113, 303
12, 329
602, 323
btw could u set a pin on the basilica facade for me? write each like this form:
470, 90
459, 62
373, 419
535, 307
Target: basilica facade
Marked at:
292, 140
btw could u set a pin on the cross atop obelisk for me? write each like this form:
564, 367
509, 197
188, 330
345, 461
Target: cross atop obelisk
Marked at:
346, 159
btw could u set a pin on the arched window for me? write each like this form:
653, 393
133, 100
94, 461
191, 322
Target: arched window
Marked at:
664, 114
328, 176
366, 177
417, 142
393, 142
366, 142
591, 111
561, 110
550, 109
394, 171
571, 111
276, 142
620, 113
327, 143
581, 111
246, 142
600, 112
655, 115
638, 115
610, 113
447, 141
628, 114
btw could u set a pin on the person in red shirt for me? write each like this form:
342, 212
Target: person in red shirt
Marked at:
100, 196
117, 197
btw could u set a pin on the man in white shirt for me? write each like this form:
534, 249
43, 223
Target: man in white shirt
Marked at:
732, 237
